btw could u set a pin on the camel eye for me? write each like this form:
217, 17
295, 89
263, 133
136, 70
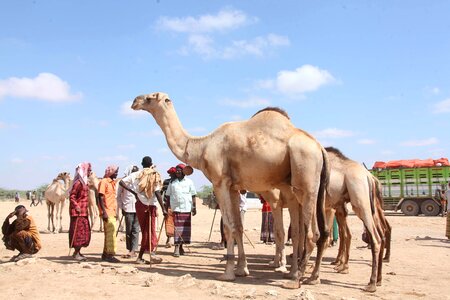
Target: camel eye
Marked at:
167, 100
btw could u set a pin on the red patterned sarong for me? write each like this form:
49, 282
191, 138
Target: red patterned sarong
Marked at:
82, 236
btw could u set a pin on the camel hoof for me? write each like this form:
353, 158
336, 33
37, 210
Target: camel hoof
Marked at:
291, 284
311, 281
242, 273
281, 269
226, 277
386, 259
379, 283
371, 288
343, 271
273, 264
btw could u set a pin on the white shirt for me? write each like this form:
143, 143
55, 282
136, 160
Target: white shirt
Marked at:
180, 193
243, 202
125, 200
132, 182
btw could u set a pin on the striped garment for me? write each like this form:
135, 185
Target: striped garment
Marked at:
82, 232
267, 228
143, 218
182, 222
110, 246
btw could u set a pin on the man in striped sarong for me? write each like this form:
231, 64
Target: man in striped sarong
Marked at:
182, 202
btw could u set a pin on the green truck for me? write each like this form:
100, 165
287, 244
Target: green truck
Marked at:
413, 190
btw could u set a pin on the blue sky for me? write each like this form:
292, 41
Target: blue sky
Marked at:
370, 78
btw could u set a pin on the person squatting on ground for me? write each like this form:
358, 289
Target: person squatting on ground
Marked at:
146, 186
80, 229
182, 202
22, 234
168, 219
107, 209
267, 236
126, 201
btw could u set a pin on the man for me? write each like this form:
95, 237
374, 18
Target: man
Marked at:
80, 229
126, 202
182, 202
447, 196
107, 209
169, 218
22, 234
146, 186
16, 197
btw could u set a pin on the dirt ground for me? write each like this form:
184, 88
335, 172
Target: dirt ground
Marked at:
419, 267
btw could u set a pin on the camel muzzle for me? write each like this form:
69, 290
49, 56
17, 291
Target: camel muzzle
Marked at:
135, 104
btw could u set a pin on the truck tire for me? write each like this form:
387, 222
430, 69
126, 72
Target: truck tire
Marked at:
430, 208
410, 208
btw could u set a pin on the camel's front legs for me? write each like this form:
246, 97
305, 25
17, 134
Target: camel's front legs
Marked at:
229, 206
50, 214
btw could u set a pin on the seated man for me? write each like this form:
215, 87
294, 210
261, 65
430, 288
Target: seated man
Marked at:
22, 234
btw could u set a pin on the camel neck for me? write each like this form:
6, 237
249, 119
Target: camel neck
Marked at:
176, 136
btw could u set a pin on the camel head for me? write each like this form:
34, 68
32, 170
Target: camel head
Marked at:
151, 102
63, 176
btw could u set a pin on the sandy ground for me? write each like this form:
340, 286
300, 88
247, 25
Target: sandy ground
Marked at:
419, 267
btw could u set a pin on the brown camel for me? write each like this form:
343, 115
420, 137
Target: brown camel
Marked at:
349, 182
260, 154
55, 196
93, 182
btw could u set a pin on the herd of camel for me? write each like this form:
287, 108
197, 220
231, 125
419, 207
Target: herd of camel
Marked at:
268, 155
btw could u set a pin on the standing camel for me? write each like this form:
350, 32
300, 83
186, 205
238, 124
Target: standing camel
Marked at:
260, 154
55, 196
349, 182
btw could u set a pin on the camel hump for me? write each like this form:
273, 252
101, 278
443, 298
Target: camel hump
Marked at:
275, 109
337, 152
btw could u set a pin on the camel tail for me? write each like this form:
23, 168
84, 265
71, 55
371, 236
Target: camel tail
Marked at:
372, 194
320, 208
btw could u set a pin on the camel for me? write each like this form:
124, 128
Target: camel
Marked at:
55, 196
349, 182
260, 154
92, 197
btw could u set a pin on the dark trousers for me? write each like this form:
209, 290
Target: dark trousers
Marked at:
132, 231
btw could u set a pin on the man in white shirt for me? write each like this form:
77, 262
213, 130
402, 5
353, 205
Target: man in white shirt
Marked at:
182, 202
126, 202
146, 186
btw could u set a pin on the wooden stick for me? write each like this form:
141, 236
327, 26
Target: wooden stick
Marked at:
159, 235
248, 238
73, 235
150, 235
212, 224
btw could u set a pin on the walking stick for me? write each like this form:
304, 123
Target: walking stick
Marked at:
73, 235
248, 239
120, 223
160, 231
179, 235
212, 224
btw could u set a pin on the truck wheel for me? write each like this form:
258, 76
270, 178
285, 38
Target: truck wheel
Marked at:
430, 208
410, 208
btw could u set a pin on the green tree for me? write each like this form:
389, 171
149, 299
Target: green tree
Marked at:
205, 191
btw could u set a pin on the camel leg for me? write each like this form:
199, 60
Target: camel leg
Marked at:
294, 283
229, 207
274, 199
380, 255
388, 235
57, 217
346, 239
63, 202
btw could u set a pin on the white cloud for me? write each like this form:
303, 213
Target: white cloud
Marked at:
306, 78
126, 147
418, 143
17, 160
258, 46
226, 19
202, 45
113, 158
333, 133
366, 141
45, 86
125, 109
442, 107
252, 102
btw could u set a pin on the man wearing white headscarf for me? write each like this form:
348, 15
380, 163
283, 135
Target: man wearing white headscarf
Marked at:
126, 201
